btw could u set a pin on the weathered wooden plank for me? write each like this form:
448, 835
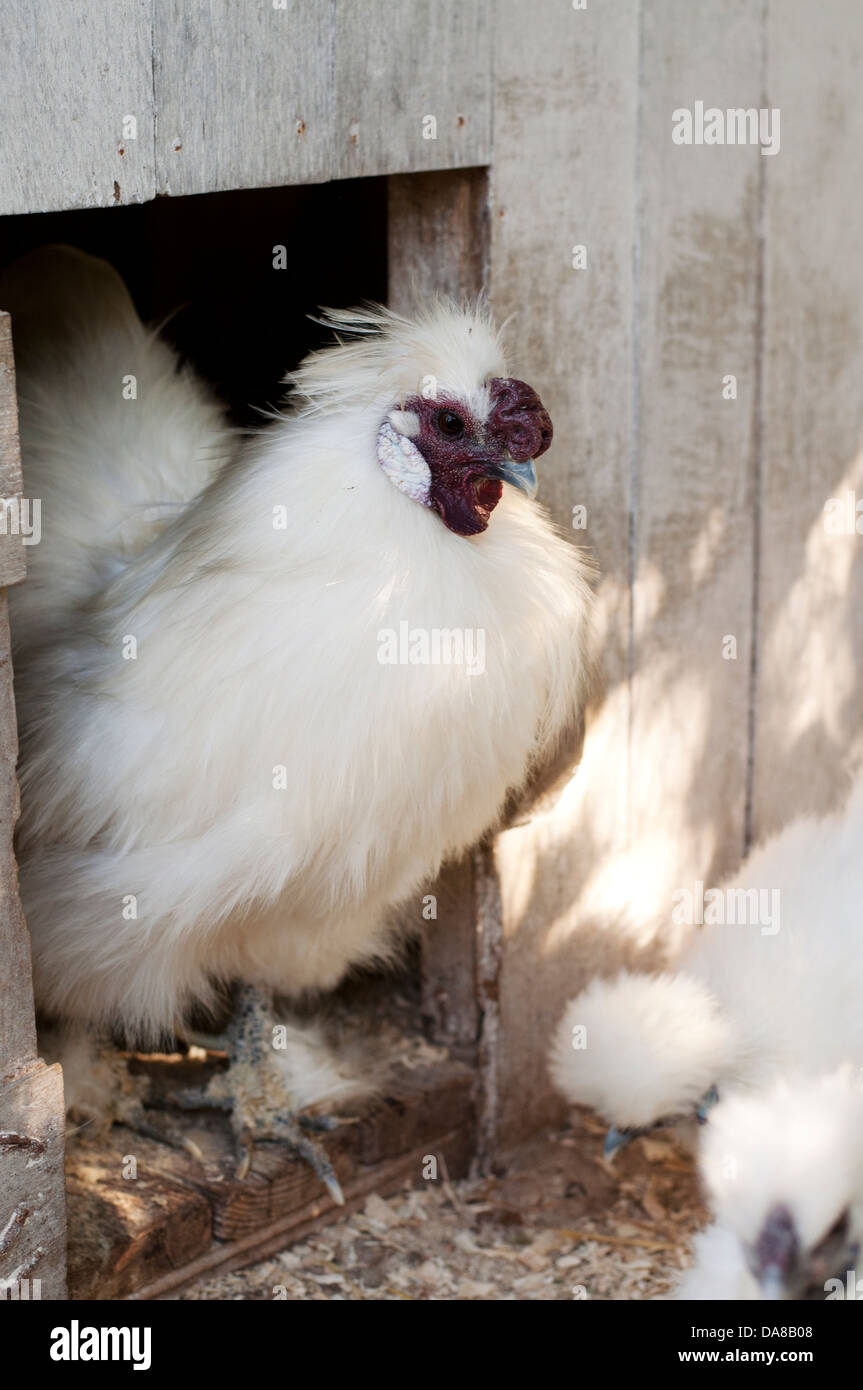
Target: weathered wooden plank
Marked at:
76, 123
12, 525
698, 313
32, 1117
809, 717
273, 94
448, 961
129, 1225
17, 1028
385, 1179
32, 1199
244, 94
563, 177
438, 235
412, 85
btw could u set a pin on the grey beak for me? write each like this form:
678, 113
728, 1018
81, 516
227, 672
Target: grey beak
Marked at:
707, 1103
521, 475
616, 1139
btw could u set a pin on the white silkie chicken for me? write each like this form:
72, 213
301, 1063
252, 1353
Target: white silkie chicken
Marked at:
758, 1033
783, 1173
265, 687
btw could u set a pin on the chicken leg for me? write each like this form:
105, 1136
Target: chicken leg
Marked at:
256, 1091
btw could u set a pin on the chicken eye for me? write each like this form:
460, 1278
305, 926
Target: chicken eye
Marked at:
450, 424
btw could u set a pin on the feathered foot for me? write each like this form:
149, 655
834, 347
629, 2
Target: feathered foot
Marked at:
100, 1090
273, 1072
138, 1118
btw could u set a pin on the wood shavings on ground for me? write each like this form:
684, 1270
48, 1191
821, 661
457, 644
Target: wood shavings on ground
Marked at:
554, 1222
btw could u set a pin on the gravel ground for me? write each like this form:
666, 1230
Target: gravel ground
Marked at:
553, 1222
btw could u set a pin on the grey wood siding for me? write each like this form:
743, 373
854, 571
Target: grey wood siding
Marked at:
228, 95
706, 515
808, 707
563, 175
70, 76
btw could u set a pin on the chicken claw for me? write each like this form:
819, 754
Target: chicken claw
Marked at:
255, 1092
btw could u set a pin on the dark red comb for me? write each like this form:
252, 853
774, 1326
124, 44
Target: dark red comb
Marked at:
518, 422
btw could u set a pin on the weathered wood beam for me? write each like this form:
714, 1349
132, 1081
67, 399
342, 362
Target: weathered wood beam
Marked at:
32, 1200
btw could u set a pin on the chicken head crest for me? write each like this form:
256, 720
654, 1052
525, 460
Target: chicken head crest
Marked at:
455, 460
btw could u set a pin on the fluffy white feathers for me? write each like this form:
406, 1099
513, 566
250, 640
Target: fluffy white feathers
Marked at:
796, 1147
747, 1002
383, 358
252, 793
799, 1142
765, 1011
110, 472
640, 1048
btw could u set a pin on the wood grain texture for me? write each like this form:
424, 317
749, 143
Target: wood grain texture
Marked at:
809, 716
32, 1114
70, 74
396, 65
438, 235
698, 316
257, 96
17, 1028
128, 1230
32, 1192
234, 96
385, 1179
12, 551
244, 94
631, 352
563, 176
448, 963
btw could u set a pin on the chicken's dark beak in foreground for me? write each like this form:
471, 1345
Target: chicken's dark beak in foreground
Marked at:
775, 1257
784, 1270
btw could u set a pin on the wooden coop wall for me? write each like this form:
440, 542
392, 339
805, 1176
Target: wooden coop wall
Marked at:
704, 515
32, 1198
234, 96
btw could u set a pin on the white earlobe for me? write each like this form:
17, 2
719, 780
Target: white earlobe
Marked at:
403, 464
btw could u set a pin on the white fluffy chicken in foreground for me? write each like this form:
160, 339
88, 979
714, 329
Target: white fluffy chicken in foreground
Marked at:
759, 1031
247, 735
783, 1171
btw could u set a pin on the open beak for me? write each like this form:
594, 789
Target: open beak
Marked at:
521, 475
